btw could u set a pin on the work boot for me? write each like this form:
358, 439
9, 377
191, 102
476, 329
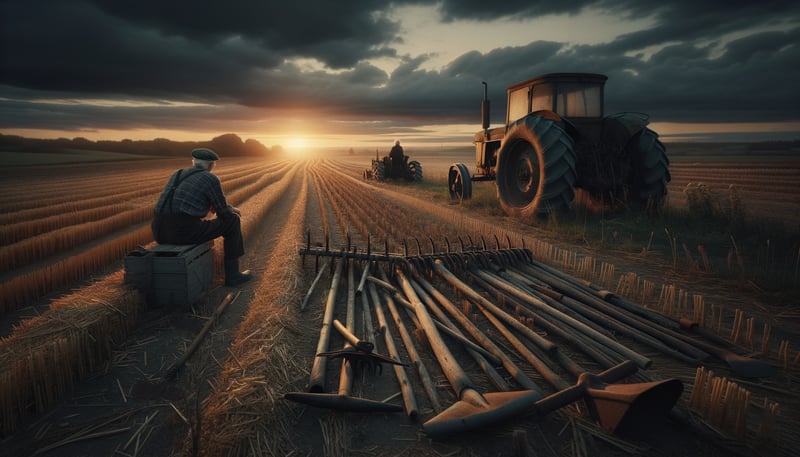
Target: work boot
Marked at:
234, 277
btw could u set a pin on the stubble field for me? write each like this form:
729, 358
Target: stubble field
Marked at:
78, 346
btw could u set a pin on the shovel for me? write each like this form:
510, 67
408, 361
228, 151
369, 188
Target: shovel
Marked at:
472, 410
618, 408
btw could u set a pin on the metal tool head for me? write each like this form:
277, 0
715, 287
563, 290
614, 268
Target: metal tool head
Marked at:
618, 408
360, 360
474, 411
624, 408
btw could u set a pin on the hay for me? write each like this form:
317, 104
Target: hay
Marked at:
45, 356
245, 414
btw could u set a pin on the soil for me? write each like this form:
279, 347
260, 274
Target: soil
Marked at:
128, 407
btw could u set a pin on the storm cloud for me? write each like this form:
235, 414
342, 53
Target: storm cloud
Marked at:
197, 64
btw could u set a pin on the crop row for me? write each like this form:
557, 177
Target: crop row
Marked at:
59, 191
23, 288
45, 356
48, 217
389, 220
69, 237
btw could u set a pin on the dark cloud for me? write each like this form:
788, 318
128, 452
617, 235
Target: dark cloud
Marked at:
699, 61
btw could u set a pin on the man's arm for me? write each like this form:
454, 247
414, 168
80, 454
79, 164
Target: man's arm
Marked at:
219, 203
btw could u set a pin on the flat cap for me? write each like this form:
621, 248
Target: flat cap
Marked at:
204, 154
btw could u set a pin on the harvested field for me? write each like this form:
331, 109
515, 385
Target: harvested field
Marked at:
83, 358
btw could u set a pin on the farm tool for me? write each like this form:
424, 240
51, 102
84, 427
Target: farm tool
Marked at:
356, 353
650, 322
614, 406
409, 399
146, 390
473, 409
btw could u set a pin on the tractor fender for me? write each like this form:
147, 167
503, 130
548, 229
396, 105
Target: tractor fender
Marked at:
621, 127
568, 126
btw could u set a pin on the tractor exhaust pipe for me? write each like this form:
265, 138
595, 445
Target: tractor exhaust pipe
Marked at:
485, 107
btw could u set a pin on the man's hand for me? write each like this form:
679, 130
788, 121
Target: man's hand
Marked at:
235, 211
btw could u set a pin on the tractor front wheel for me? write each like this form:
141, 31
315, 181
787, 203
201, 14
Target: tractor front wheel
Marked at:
459, 183
535, 168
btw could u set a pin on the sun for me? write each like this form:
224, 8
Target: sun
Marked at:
298, 143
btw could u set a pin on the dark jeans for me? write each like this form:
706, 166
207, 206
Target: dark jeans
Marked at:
185, 229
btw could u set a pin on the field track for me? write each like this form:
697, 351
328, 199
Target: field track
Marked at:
63, 235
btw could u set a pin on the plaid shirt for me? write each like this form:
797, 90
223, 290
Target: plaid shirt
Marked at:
196, 194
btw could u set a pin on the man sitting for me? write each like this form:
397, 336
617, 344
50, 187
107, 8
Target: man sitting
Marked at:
182, 207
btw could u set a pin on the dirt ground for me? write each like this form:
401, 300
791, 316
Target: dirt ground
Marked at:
127, 408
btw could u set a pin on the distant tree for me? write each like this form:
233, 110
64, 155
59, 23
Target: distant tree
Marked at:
254, 148
227, 144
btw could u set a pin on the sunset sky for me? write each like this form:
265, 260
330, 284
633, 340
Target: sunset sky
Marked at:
350, 73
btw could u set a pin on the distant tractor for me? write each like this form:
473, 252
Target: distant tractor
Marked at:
556, 140
387, 168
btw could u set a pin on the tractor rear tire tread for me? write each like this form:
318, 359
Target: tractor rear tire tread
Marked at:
553, 148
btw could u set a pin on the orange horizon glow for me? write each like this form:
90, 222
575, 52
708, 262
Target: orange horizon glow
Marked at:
301, 142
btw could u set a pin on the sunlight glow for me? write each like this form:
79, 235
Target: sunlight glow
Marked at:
297, 143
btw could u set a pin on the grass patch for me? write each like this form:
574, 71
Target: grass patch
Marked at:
713, 235
699, 238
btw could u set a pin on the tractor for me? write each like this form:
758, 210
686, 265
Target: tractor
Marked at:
385, 168
556, 140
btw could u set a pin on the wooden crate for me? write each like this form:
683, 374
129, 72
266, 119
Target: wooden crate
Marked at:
171, 274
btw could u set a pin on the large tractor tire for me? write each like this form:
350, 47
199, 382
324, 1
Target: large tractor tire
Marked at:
649, 176
459, 183
535, 168
378, 170
414, 172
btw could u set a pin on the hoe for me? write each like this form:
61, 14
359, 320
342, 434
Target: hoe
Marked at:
355, 353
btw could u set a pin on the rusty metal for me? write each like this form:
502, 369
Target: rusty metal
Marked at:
618, 408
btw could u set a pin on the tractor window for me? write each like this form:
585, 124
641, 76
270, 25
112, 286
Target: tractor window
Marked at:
542, 97
579, 101
517, 104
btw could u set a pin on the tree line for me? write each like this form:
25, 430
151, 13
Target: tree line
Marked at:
228, 144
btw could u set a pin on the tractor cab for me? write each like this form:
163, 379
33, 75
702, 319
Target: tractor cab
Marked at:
570, 95
575, 99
